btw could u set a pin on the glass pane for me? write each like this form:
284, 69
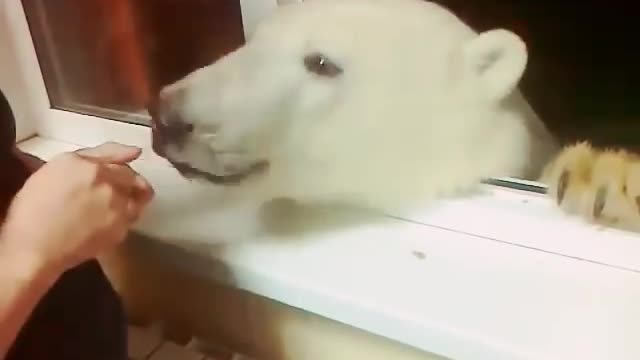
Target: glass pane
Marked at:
103, 57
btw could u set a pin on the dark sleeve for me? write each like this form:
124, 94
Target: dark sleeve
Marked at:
81, 317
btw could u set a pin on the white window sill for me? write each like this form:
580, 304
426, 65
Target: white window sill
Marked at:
504, 275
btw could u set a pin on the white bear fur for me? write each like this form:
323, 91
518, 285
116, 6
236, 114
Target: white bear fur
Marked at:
425, 107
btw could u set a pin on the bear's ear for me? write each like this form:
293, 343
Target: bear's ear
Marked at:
497, 59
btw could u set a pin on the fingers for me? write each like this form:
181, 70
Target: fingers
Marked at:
130, 182
132, 191
129, 185
119, 176
122, 210
110, 153
127, 207
140, 195
143, 192
136, 202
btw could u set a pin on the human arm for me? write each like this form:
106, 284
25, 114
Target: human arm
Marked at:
74, 207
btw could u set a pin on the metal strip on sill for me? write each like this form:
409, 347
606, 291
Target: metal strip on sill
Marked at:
517, 184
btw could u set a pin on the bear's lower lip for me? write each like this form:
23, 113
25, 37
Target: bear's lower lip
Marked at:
191, 172
158, 145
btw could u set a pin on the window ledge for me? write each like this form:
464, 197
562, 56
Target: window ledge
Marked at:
500, 275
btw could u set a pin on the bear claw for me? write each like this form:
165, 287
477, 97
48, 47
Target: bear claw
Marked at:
563, 182
599, 202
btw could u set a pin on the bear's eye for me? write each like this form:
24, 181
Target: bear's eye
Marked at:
321, 65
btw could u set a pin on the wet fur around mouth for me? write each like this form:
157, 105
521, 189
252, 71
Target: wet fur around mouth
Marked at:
190, 172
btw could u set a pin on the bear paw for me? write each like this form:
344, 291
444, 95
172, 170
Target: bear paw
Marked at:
602, 186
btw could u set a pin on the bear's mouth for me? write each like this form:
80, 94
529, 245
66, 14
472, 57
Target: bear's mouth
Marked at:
191, 172
159, 144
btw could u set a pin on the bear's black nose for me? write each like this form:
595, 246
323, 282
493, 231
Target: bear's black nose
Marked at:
167, 124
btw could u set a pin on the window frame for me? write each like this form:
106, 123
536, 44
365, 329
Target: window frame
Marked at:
26, 90
513, 218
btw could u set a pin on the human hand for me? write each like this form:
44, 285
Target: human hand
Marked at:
76, 206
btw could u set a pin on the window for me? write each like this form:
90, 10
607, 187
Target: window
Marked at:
103, 57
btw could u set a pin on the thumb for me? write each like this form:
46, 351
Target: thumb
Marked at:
111, 153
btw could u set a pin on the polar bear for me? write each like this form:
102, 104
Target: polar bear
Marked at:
378, 104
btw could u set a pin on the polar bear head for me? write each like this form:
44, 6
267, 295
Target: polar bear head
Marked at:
374, 101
